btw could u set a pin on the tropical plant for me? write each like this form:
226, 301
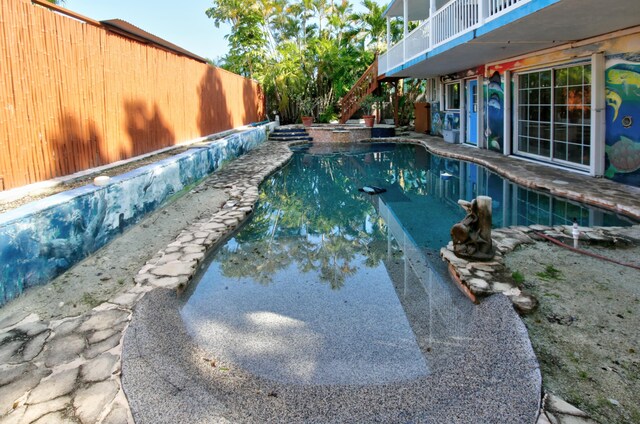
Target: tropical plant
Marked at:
301, 49
368, 103
307, 106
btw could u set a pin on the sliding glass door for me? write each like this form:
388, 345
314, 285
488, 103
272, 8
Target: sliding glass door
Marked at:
554, 115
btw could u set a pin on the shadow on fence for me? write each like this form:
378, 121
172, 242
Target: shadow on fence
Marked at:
145, 127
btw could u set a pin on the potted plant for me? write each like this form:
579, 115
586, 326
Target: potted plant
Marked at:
367, 107
306, 108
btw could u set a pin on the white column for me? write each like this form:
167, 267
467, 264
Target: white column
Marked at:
432, 11
598, 107
482, 144
388, 33
463, 111
507, 114
405, 33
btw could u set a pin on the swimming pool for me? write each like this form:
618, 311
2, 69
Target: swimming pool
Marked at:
329, 285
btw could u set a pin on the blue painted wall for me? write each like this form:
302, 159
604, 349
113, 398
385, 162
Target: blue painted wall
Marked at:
42, 239
622, 150
494, 111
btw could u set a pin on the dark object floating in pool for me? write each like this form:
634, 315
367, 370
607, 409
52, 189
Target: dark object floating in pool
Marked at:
372, 190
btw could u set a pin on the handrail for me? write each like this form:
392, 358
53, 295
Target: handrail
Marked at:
365, 85
364, 75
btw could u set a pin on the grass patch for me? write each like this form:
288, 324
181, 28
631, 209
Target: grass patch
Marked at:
550, 273
90, 300
518, 277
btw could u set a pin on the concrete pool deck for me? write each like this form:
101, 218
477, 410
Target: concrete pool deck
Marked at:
70, 368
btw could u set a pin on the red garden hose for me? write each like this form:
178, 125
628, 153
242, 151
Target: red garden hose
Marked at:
584, 252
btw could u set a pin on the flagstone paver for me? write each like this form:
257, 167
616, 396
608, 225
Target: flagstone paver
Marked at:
68, 370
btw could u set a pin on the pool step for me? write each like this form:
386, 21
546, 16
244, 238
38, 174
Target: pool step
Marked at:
295, 138
290, 134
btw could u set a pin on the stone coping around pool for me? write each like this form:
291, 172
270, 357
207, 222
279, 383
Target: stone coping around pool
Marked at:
600, 192
42, 239
71, 368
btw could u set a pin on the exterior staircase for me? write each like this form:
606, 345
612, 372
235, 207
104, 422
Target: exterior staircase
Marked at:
366, 85
290, 133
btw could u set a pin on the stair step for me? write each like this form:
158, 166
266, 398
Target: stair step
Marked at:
290, 130
301, 138
283, 134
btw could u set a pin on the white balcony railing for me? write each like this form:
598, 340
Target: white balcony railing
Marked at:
453, 19
382, 64
417, 41
450, 21
498, 7
396, 54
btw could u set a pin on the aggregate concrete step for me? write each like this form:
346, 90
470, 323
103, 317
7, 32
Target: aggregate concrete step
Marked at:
275, 138
289, 133
290, 129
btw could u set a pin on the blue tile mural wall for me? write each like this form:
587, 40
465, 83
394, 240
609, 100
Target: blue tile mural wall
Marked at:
441, 120
41, 240
494, 112
622, 150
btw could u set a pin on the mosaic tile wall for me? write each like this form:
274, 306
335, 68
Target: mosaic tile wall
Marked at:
42, 239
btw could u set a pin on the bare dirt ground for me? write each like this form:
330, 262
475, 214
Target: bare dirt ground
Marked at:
586, 331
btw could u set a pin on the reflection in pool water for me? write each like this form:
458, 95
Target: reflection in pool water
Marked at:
328, 285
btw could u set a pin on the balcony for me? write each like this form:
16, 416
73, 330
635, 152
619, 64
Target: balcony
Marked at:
463, 34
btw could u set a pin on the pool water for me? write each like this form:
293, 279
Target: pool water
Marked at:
326, 285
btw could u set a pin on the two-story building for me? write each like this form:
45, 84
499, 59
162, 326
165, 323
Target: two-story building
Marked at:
553, 81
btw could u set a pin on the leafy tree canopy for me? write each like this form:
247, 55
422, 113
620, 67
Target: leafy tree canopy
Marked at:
301, 49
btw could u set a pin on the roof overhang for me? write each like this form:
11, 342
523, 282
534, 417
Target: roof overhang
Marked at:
561, 23
418, 10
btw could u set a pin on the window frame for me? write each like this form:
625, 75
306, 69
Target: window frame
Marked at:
586, 121
447, 95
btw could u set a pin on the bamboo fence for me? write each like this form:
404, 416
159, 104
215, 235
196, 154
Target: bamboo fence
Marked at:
74, 95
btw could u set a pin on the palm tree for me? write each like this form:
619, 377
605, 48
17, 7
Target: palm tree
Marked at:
373, 25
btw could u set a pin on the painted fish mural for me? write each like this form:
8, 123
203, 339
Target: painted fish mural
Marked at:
495, 116
624, 157
494, 102
627, 79
614, 100
622, 149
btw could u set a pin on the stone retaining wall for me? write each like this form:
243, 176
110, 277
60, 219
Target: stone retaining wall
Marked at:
44, 238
